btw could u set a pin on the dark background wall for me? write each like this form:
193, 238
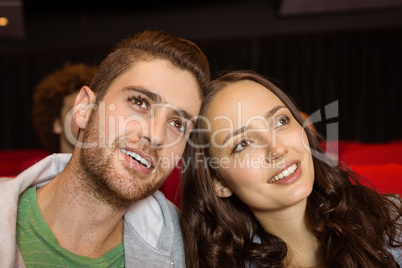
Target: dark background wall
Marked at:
350, 56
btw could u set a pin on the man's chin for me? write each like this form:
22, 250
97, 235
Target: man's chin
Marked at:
114, 182
123, 196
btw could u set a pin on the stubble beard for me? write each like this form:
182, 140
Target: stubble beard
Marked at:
103, 181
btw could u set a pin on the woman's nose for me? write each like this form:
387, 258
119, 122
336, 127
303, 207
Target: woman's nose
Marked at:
276, 146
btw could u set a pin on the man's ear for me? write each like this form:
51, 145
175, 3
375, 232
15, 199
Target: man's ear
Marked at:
57, 128
221, 189
83, 106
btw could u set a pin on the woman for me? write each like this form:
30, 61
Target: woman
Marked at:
254, 196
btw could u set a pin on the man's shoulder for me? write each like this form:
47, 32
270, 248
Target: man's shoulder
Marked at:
40, 173
156, 204
152, 226
160, 197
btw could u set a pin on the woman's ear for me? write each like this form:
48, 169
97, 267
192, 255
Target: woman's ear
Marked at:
83, 106
221, 189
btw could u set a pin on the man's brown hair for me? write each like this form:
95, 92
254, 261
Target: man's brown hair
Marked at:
147, 45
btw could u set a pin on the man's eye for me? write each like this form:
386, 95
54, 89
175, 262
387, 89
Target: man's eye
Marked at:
140, 102
241, 145
179, 125
282, 121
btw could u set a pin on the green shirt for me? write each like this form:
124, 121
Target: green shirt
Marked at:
40, 248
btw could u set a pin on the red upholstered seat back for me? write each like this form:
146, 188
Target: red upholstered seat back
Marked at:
385, 178
12, 162
380, 163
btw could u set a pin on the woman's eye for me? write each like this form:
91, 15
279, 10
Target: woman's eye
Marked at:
140, 102
282, 121
241, 145
180, 125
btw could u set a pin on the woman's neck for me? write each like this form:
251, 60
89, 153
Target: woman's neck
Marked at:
291, 225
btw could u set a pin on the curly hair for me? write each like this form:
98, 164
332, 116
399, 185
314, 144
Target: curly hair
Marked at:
48, 99
354, 225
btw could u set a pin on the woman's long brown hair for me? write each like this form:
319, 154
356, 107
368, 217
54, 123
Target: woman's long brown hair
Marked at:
354, 224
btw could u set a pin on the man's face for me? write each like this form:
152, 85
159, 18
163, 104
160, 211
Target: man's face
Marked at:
139, 131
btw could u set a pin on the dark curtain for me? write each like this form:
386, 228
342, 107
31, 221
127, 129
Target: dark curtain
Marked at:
20, 72
360, 69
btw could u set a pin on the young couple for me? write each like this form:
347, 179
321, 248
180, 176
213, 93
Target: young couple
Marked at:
253, 194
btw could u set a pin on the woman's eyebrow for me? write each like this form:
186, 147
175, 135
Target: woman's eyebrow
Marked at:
267, 115
271, 112
235, 133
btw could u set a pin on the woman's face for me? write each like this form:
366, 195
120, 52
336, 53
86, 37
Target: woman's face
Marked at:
260, 151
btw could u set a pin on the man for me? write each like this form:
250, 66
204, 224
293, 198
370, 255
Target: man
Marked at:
101, 207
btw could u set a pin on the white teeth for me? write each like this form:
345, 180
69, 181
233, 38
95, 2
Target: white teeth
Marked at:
145, 162
137, 157
287, 172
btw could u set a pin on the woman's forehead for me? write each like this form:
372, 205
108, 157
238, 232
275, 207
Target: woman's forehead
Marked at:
242, 100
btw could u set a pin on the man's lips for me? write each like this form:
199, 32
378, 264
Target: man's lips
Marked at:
143, 159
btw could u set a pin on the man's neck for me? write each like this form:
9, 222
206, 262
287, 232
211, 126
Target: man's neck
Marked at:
81, 223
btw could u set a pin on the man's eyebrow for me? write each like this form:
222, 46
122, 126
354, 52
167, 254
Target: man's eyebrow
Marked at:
268, 114
183, 114
156, 98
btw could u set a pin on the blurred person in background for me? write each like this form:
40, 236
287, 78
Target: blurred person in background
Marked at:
53, 101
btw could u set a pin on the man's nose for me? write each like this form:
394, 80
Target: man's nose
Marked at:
155, 130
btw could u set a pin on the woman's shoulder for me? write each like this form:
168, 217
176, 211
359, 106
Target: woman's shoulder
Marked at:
397, 251
397, 254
